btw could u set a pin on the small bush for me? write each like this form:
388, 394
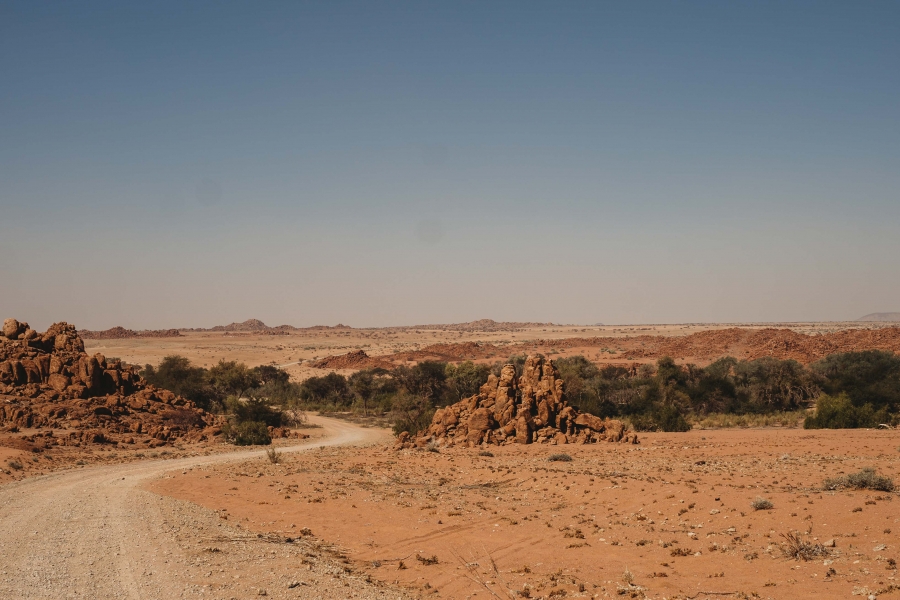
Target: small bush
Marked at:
760, 503
559, 458
487, 453
251, 410
668, 418
799, 549
273, 455
643, 422
866, 479
249, 433
14, 464
839, 412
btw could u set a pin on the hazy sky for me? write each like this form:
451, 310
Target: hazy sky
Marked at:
191, 164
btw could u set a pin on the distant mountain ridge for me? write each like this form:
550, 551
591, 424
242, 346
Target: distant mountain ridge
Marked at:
882, 317
257, 326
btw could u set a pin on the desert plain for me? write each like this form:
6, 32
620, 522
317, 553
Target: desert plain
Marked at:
342, 512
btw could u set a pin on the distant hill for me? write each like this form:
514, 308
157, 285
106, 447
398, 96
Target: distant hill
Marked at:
888, 316
248, 325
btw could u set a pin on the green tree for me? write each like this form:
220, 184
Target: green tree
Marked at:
839, 412
465, 379
232, 378
366, 384
425, 380
328, 389
867, 377
270, 374
176, 374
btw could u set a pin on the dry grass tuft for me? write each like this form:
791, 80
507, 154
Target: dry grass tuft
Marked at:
273, 455
800, 549
760, 503
866, 479
559, 458
790, 419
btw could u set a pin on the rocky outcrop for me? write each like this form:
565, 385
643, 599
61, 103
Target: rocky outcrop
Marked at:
48, 381
356, 359
525, 409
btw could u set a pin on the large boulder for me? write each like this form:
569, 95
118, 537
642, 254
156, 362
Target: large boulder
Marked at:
12, 329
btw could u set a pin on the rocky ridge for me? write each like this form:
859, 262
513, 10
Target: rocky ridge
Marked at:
48, 381
120, 333
525, 409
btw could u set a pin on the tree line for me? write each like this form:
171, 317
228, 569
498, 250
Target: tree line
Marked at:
853, 389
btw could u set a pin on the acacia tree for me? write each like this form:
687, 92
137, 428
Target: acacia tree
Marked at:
232, 378
466, 379
421, 386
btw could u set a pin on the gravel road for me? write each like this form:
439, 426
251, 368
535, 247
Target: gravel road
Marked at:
94, 533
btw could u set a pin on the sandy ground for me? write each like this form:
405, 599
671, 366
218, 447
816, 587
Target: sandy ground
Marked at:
93, 532
670, 518
293, 350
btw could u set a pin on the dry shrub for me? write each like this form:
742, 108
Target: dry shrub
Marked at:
760, 503
273, 455
786, 419
559, 458
800, 549
866, 479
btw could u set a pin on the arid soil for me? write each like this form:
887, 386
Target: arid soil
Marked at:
670, 518
92, 532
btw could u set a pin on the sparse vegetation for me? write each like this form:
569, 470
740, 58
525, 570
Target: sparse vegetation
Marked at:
789, 419
862, 389
798, 548
562, 457
273, 455
866, 479
839, 412
247, 433
760, 503
427, 560
14, 464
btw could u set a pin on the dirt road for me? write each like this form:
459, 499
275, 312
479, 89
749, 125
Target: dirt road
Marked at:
94, 533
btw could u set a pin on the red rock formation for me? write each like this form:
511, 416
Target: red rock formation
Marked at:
511, 409
356, 359
48, 381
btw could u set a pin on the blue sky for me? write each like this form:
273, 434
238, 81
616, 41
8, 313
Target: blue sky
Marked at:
190, 164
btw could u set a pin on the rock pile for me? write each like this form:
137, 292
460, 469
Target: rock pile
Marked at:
357, 359
48, 381
518, 409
